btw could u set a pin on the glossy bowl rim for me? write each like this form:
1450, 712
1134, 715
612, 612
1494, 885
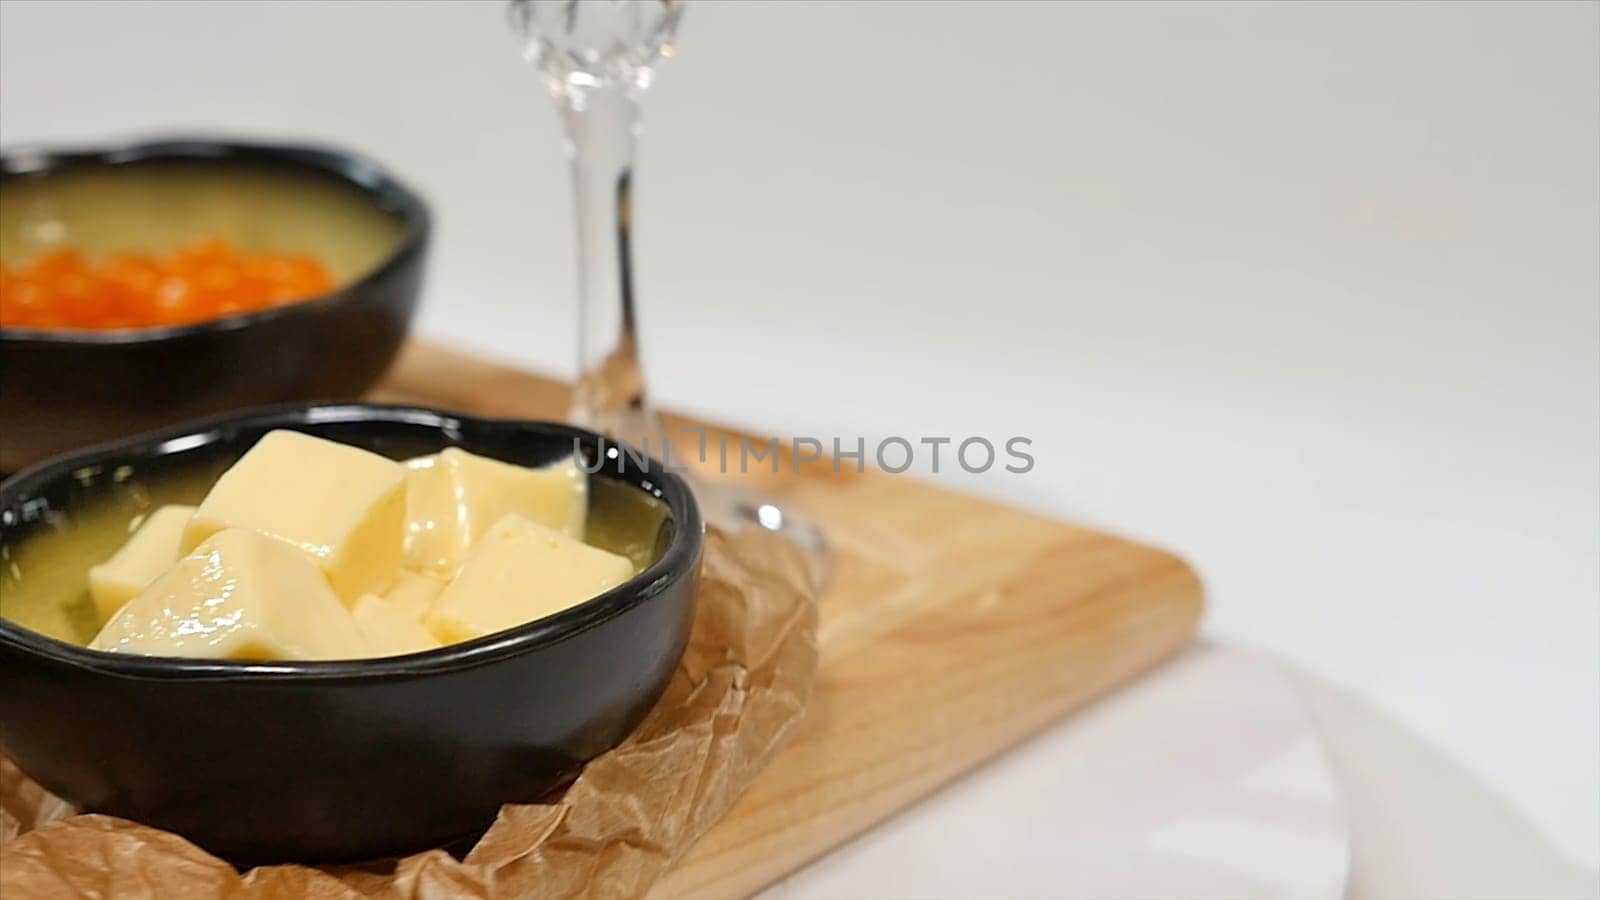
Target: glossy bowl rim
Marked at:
679, 561
378, 185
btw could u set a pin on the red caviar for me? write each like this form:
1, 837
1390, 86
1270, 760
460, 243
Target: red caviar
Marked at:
208, 279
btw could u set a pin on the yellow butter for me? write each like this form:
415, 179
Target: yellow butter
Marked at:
390, 630
518, 571
342, 505
239, 595
152, 548
413, 593
454, 496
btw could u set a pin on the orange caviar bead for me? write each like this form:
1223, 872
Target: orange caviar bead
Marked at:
207, 279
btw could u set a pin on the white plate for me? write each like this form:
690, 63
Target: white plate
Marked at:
1205, 778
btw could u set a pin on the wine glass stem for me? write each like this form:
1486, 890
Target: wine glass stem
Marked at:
602, 125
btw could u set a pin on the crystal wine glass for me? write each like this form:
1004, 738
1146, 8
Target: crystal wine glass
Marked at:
598, 57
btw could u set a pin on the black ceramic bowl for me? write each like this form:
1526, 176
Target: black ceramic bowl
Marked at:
60, 390
338, 761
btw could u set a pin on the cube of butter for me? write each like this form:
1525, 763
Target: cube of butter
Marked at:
239, 595
148, 553
390, 630
342, 505
519, 571
454, 496
413, 593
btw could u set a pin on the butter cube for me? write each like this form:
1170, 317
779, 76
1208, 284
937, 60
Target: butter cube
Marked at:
413, 593
389, 630
153, 548
343, 506
239, 595
519, 571
454, 496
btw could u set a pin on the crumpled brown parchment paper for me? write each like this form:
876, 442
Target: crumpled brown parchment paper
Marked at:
631, 813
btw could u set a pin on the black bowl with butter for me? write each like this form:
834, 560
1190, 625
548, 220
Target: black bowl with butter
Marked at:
337, 760
64, 389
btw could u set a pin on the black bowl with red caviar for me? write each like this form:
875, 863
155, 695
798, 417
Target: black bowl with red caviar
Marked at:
150, 283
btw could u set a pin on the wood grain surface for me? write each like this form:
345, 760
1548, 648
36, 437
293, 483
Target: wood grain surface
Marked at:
953, 628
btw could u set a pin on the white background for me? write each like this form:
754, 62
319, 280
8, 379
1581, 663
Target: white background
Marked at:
1308, 293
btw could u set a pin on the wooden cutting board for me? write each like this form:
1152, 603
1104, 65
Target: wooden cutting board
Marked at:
953, 628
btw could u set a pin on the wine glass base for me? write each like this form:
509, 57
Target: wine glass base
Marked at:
733, 509
727, 506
